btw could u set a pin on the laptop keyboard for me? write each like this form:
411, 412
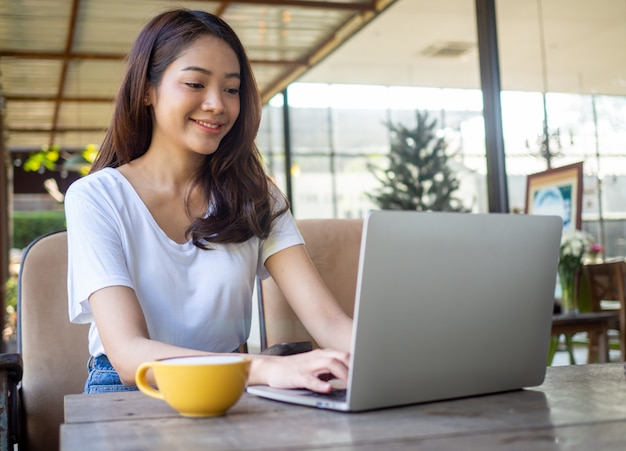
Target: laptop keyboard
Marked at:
337, 394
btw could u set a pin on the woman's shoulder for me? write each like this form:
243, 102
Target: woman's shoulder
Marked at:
96, 182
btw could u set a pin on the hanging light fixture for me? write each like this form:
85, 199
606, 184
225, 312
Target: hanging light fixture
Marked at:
549, 142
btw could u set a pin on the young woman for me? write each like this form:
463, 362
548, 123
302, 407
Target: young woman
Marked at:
177, 217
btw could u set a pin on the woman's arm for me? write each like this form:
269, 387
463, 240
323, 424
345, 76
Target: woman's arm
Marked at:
124, 333
125, 337
300, 282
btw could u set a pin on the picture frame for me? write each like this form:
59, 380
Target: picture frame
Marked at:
557, 191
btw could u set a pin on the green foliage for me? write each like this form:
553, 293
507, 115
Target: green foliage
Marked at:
10, 300
28, 225
418, 176
46, 158
10, 293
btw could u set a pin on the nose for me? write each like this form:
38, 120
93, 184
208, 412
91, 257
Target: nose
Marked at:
213, 102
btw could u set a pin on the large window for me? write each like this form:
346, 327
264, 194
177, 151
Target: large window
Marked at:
333, 142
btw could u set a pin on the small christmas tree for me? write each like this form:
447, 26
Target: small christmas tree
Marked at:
418, 176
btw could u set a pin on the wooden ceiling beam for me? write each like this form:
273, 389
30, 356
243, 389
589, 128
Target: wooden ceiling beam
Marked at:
44, 129
338, 5
25, 54
111, 57
69, 42
43, 98
219, 12
355, 23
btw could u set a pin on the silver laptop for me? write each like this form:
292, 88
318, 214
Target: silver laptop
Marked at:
448, 305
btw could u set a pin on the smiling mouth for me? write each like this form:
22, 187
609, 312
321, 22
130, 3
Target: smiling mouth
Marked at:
207, 124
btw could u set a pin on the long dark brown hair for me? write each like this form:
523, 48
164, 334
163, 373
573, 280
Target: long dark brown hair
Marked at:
233, 178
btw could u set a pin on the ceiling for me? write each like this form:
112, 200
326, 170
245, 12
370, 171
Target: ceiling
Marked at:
434, 44
61, 61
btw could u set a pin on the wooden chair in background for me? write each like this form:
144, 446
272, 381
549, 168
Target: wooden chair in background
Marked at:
334, 246
606, 285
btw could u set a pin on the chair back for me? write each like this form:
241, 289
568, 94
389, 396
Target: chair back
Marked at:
607, 282
334, 246
54, 351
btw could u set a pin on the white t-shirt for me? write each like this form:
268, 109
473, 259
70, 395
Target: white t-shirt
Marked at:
190, 297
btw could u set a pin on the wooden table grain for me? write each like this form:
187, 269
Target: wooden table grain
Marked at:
577, 407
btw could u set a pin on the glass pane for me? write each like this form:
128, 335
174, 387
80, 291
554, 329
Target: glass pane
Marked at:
312, 187
354, 181
270, 141
360, 131
310, 131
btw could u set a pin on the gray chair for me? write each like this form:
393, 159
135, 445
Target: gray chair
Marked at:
52, 352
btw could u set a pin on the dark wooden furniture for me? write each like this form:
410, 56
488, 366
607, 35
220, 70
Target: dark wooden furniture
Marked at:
606, 283
595, 324
577, 407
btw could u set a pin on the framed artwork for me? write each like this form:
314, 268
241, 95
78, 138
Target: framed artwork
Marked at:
557, 191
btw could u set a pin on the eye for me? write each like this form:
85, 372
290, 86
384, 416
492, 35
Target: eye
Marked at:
194, 85
233, 90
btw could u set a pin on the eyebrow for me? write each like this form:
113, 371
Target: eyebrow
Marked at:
208, 72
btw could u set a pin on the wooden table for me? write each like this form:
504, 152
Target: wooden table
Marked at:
595, 324
578, 407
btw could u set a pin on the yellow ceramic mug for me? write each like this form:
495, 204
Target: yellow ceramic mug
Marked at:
196, 386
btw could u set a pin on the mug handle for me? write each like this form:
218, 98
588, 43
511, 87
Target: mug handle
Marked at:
142, 383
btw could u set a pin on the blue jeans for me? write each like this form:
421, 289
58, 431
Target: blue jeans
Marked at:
103, 378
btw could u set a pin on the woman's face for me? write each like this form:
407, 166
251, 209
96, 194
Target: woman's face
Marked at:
197, 101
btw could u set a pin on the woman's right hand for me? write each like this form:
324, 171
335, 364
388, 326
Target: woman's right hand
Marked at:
308, 370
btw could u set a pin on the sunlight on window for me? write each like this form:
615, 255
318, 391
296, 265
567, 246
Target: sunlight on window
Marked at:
345, 96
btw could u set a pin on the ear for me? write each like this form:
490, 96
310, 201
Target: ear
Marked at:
147, 97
